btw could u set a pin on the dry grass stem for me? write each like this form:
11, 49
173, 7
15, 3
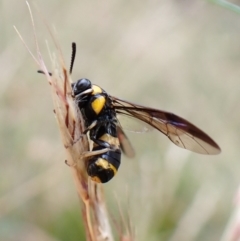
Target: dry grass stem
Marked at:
71, 127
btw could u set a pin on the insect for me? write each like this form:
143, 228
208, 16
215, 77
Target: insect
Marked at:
102, 124
100, 110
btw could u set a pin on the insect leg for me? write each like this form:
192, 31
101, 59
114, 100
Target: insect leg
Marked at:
94, 153
93, 124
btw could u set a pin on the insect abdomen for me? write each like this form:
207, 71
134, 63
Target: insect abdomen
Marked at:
102, 168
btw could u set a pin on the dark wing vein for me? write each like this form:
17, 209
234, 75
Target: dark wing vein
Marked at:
181, 132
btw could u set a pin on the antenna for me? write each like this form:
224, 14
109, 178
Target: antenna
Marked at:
42, 72
74, 49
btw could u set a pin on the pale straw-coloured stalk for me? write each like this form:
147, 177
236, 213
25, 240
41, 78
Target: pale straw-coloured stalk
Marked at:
71, 126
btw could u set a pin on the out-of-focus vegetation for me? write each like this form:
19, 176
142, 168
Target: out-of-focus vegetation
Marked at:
180, 56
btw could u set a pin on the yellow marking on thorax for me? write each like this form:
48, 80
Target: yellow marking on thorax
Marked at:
98, 104
105, 165
96, 90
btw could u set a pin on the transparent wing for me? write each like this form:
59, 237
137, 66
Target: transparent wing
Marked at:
131, 124
181, 132
125, 144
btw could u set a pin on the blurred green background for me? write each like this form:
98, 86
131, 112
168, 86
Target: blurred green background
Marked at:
179, 56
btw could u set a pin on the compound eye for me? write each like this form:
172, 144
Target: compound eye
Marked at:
81, 85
